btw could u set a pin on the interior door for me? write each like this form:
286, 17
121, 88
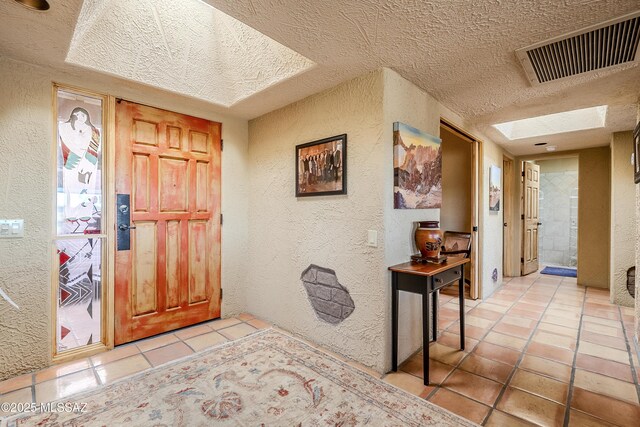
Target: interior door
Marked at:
167, 181
531, 217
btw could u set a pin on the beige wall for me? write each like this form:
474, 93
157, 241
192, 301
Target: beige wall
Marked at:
623, 221
287, 234
405, 102
455, 214
594, 202
26, 141
563, 164
492, 228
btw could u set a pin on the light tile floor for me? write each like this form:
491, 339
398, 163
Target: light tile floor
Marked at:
60, 381
540, 351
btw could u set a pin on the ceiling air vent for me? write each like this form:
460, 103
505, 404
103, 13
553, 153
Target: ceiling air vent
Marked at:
598, 47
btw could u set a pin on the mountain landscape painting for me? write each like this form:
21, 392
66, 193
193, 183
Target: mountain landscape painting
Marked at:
417, 169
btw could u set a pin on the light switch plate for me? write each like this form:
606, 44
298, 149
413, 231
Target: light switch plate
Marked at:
11, 228
372, 238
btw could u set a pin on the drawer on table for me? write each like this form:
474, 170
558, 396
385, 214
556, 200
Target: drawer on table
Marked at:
446, 277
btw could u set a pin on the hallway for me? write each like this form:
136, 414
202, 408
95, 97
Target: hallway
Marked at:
540, 350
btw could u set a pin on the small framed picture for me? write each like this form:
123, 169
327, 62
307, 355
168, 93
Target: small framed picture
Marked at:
321, 167
636, 153
495, 178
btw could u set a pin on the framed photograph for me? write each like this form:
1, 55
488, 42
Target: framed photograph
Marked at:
417, 168
495, 175
321, 167
636, 152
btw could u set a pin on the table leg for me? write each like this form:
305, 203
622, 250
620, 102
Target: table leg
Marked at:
394, 321
434, 313
462, 307
425, 336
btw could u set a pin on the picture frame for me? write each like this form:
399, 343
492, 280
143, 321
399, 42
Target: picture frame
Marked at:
417, 168
495, 188
636, 153
321, 167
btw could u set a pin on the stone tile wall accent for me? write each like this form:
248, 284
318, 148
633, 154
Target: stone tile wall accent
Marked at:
330, 300
559, 217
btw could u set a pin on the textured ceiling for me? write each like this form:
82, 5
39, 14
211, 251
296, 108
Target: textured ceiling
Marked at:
460, 52
186, 47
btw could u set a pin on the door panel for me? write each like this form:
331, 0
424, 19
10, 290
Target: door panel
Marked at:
531, 219
170, 164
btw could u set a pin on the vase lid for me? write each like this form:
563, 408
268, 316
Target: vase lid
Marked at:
429, 224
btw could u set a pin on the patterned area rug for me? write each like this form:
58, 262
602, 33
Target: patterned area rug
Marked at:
265, 379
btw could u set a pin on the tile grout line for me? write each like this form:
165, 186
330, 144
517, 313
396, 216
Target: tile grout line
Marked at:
489, 330
438, 386
92, 366
95, 371
522, 354
567, 409
629, 352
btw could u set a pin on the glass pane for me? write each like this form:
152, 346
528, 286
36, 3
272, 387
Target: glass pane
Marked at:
79, 196
79, 293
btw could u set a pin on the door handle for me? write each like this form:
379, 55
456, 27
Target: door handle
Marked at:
123, 221
539, 223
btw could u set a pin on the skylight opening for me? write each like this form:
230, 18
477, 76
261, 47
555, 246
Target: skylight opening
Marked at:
551, 124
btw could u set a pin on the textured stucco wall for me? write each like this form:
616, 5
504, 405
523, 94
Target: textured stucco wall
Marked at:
493, 224
623, 221
287, 234
594, 204
405, 102
25, 192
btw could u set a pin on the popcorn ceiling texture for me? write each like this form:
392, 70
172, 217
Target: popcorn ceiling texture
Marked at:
26, 192
186, 47
461, 53
623, 221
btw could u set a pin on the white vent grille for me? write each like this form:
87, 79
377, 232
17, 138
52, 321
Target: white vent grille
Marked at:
606, 45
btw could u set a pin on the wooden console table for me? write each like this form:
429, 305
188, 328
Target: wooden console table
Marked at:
425, 279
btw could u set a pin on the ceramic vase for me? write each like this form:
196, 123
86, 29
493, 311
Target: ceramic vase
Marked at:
429, 238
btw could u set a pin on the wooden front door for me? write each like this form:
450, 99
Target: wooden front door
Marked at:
167, 275
531, 217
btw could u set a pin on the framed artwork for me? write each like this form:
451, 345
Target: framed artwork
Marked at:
636, 152
321, 167
494, 188
417, 169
